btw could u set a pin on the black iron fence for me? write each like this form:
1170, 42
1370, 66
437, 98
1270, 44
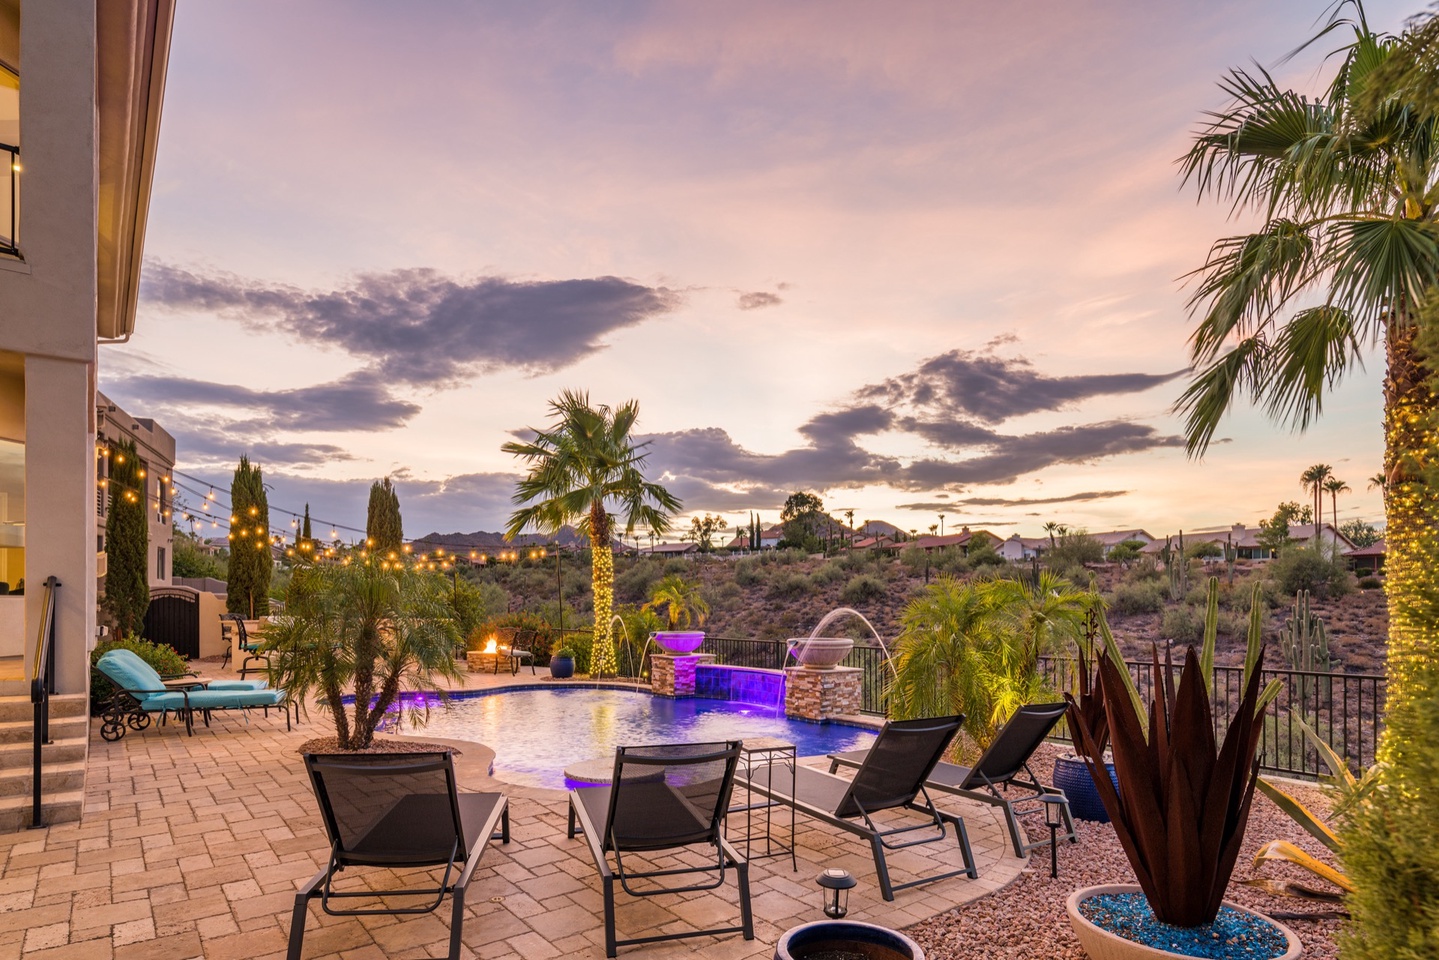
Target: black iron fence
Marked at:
9, 199
1345, 709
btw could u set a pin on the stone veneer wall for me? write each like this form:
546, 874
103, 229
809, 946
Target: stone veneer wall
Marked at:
821, 694
482, 662
673, 675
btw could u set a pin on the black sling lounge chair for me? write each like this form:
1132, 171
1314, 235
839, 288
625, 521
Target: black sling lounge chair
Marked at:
662, 798
398, 810
1000, 766
891, 775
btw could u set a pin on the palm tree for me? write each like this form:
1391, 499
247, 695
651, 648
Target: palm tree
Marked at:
681, 600
583, 467
1334, 487
1313, 481
1347, 259
1377, 480
1350, 198
370, 629
1051, 527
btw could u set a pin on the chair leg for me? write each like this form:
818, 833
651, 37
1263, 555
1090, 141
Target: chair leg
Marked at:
609, 885
881, 868
297, 926
457, 921
571, 831
746, 916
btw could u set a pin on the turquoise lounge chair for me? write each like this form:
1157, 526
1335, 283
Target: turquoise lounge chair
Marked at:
140, 693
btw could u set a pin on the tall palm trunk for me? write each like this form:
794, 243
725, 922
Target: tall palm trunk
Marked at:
1411, 510
602, 576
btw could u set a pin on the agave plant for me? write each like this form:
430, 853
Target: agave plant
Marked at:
1184, 799
1346, 790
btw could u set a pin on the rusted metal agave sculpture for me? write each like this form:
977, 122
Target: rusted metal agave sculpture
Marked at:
1184, 798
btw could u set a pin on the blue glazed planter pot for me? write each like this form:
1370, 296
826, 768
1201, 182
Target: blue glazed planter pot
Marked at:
1072, 776
828, 938
562, 668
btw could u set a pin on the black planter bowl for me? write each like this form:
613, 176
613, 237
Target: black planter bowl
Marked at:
845, 940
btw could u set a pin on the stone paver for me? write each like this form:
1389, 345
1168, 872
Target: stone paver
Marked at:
194, 846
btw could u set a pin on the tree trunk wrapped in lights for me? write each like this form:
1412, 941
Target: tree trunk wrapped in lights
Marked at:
588, 460
1347, 182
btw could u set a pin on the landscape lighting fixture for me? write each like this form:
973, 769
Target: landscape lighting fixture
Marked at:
837, 883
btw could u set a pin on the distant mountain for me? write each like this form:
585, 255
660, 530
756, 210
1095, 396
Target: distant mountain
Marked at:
489, 542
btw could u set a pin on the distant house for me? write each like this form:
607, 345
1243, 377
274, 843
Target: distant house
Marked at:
1113, 538
1245, 540
965, 539
1018, 548
671, 549
1367, 560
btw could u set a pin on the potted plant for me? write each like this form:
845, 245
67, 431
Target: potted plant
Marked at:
362, 630
1180, 810
562, 664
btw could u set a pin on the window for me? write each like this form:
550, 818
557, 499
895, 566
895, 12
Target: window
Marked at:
160, 564
9, 125
12, 514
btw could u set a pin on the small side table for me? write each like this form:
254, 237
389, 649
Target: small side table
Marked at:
768, 752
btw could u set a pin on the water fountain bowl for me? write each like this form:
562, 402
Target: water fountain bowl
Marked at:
820, 653
679, 641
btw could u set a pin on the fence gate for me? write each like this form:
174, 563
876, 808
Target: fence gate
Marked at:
174, 618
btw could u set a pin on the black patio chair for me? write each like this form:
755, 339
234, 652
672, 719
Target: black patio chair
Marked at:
398, 810
891, 776
662, 798
241, 641
999, 768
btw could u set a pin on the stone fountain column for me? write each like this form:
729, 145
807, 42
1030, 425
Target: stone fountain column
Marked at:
811, 694
673, 675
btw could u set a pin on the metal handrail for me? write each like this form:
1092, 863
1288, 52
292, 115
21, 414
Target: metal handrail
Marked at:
42, 684
10, 242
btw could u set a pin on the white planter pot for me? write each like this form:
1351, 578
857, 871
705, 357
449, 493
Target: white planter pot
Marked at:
1100, 944
820, 653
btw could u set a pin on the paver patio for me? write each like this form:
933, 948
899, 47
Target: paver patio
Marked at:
194, 847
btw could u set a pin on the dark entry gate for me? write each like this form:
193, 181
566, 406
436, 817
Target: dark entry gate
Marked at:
174, 618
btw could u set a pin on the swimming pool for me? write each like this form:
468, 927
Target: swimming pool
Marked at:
536, 733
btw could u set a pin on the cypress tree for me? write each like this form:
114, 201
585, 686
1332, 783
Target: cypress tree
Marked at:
305, 547
248, 590
384, 529
127, 543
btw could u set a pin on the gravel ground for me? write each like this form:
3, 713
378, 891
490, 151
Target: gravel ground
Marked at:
1027, 918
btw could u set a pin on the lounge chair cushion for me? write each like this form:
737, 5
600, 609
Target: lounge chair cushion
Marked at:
230, 699
127, 671
238, 684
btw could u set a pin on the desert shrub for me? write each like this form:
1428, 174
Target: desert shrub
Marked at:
1126, 551
1134, 598
476, 603
747, 572
983, 554
914, 560
828, 573
1203, 549
1183, 624
1303, 569
852, 560
789, 555
1145, 570
863, 587
786, 584
675, 567
1075, 550
1370, 583
634, 584
163, 657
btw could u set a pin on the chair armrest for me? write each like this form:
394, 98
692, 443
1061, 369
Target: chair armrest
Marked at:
592, 836
177, 676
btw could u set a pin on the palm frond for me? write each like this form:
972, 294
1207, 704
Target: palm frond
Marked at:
1210, 393
1247, 279
1309, 355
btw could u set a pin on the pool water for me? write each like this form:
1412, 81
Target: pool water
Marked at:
537, 733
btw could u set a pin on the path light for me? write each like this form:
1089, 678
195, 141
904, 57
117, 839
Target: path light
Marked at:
838, 883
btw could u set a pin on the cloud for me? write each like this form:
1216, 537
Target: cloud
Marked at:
358, 402
758, 299
994, 389
419, 326
1017, 501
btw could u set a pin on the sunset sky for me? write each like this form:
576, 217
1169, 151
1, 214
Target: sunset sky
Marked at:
918, 257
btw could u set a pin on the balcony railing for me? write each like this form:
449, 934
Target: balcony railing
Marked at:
10, 200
